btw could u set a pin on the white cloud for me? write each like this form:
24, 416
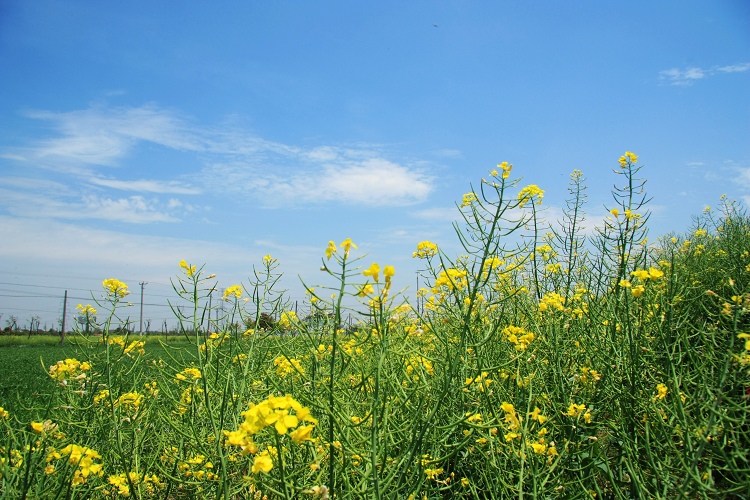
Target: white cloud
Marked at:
743, 179
437, 213
735, 68
683, 77
675, 76
273, 174
147, 186
134, 209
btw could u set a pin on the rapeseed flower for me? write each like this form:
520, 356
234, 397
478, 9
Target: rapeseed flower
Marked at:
529, 193
506, 168
468, 199
628, 157
425, 249
373, 271
189, 270
347, 245
288, 319
235, 290
330, 249
115, 288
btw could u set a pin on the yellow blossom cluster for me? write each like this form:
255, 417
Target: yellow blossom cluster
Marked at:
69, 369
480, 383
512, 422
347, 245
577, 410
274, 412
115, 288
82, 457
425, 249
188, 374
130, 401
189, 270
288, 366
552, 301
468, 199
288, 319
628, 157
134, 345
518, 336
529, 193
416, 364
234, 290
450, 279
149, 484
197, 467
86, 310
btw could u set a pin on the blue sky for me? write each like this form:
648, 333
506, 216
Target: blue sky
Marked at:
136, 134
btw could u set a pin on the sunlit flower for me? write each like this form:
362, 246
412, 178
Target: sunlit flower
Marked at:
288, 319
468, 199
262, 462
661, 391
330, 250
235, 290
529, 193
628, 157
86, 310
347, 245
373, 271
506, 168
115, 288
189, 270
425, 249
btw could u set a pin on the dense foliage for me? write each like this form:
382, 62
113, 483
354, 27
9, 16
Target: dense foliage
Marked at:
550, 362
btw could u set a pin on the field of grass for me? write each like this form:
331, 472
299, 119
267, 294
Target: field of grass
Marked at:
556, 366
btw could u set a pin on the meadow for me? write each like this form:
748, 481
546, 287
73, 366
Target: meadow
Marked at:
540, 362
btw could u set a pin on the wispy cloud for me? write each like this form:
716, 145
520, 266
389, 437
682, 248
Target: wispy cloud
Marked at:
270, 173
146, 186
134, 209
687, 76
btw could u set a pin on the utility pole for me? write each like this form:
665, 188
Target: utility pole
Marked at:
140, 324
62, 328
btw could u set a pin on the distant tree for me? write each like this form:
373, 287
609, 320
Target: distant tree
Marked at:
11, 323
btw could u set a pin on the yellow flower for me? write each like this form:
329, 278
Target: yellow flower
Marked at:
529, 193
637, 291
373, 271
235, 290
37, 427
189, 270
425, 249
262, 462
330, 250
615, 212
116, 288
506, 168
575, 410
468, 199
268, 260
288, 319
86, 310
302, 433
661, 391
628, 157
3, 413
389, 272
347, 245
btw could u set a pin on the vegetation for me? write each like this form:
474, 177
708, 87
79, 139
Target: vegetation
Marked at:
542, 363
